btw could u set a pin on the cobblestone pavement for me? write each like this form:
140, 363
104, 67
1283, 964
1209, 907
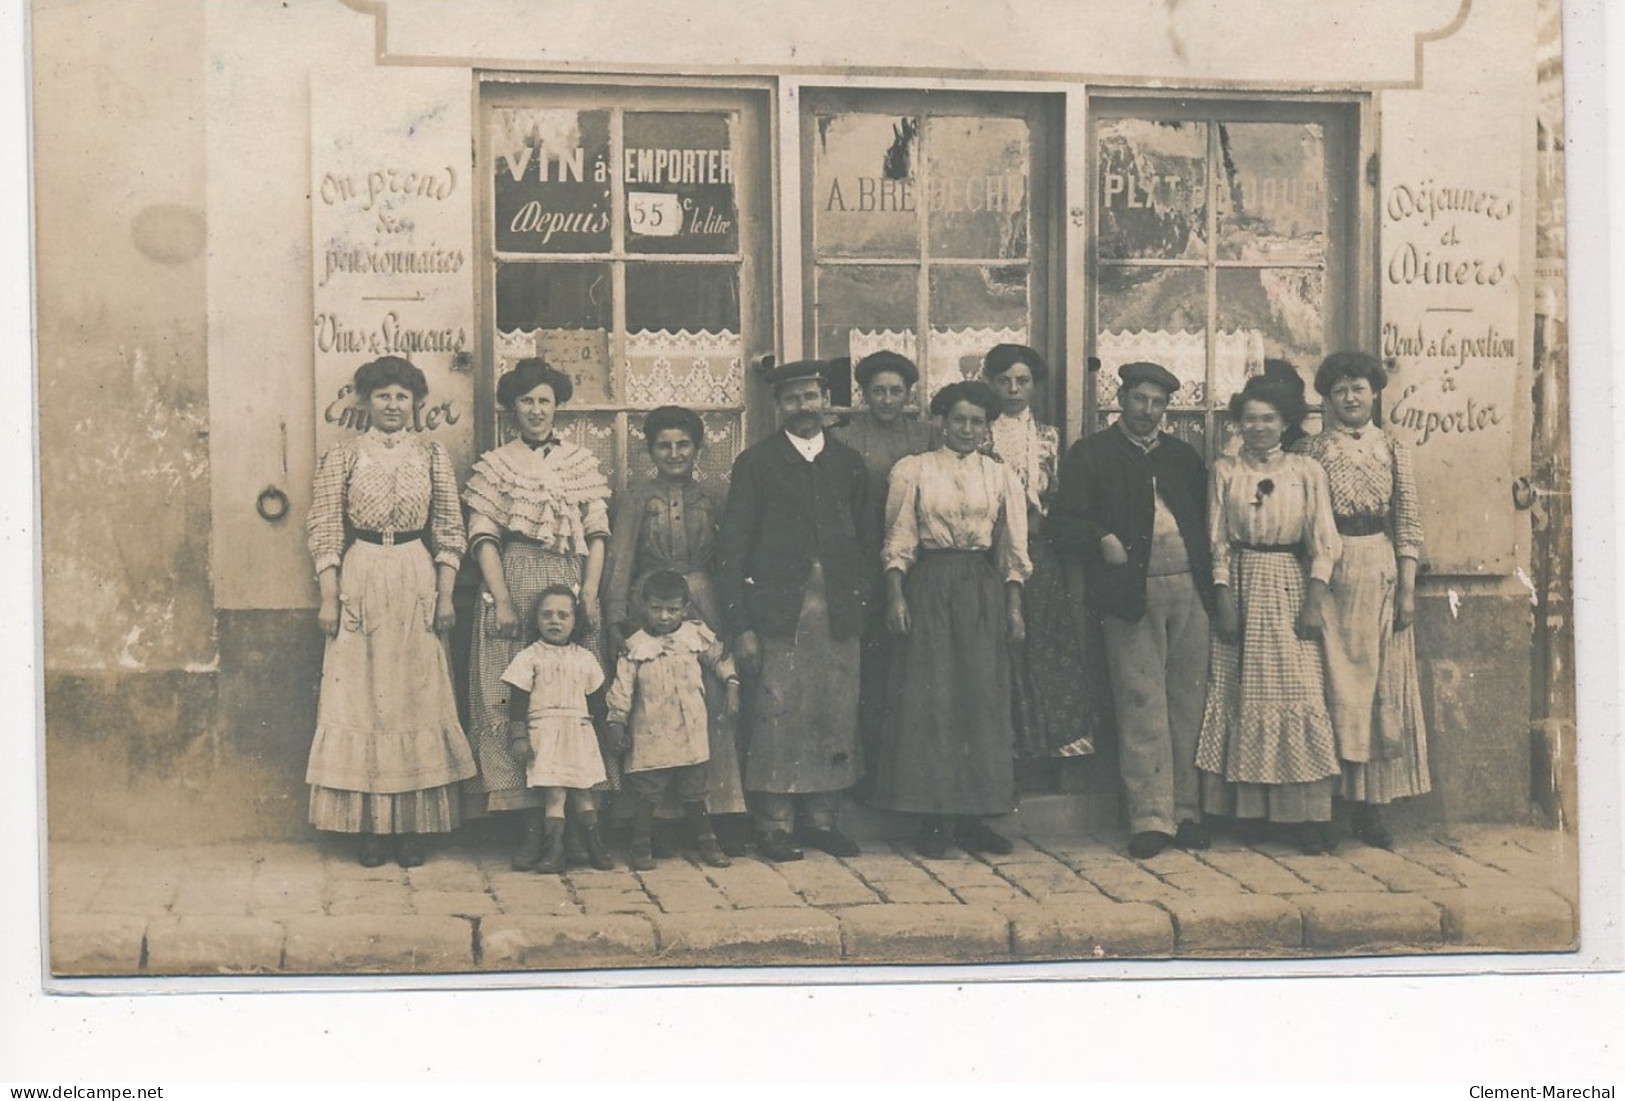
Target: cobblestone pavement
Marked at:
311, 909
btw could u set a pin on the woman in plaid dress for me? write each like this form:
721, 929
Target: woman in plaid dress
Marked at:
1267, 750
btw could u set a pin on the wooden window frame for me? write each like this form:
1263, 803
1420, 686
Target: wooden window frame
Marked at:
1043, 111
1349, 304
751, 136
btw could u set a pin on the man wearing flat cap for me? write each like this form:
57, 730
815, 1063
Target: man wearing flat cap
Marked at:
796, 560
1133, 506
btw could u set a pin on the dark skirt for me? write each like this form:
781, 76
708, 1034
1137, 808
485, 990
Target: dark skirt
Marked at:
1053, 710
949, 745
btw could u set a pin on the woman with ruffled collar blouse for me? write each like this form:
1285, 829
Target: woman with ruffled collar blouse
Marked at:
538, 516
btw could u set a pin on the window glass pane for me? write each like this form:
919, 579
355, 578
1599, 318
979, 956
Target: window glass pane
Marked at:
1190, 427
682, 296
1276, 313
972, 309
976, 187
859, 310
594, 431
679, 176
682, 341
562, 313
1155, 314
1271, 200
552, 179
864, 200
1153, 189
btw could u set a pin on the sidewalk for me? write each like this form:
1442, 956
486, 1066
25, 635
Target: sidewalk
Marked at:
311, 909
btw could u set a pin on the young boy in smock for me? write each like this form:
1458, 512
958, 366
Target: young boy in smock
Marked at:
659, 718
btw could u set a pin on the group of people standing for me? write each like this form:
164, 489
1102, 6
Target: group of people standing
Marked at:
881, 605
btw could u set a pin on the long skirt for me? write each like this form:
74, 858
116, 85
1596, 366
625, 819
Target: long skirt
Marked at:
501, 784
874, 682
950, 746
1053, 714
1267, 747
725, 794
1371, 680
388, 752
801, 733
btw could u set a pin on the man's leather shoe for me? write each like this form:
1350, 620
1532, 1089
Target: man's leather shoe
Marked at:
778, 847
976, 836
932, 842
1145, 845
1193, 834
832, 841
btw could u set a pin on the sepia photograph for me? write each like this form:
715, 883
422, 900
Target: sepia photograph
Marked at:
544, 493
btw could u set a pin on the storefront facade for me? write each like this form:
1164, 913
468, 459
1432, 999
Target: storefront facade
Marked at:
654, 197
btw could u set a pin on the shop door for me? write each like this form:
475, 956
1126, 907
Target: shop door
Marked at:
627, 242
928, 224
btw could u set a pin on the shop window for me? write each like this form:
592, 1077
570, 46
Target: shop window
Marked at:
1223, 237
926, 222
625, 243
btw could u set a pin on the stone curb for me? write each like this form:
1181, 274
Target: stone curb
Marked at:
368, 943
1235, 922
525, 943
751, 937
1094, 929
1364, 919
924, 933
199, 945
1526, 919
97, 944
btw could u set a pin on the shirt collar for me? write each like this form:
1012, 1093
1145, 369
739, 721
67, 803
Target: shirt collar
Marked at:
807, 449
1144, 445
1353, 433
385, 439
545, 445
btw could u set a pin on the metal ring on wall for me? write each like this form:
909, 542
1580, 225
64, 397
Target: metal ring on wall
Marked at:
271, 504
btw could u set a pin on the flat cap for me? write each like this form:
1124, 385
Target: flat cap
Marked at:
779, 374
1132, 373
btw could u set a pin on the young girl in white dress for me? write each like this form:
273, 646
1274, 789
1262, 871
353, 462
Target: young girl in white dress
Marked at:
549, 731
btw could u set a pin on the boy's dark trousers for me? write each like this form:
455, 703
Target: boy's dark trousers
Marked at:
689, 783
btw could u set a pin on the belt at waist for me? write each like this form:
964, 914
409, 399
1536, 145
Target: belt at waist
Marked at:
390, 538
1361, 525
951, 552
1271, 548
552, 712
513, 538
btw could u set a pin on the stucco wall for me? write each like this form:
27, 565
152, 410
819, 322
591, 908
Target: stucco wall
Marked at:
124, 436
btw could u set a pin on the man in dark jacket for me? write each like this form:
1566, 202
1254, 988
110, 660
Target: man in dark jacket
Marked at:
797, 557
1133, 506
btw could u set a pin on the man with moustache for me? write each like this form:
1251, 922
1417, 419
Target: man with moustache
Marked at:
1133, 505
799, 540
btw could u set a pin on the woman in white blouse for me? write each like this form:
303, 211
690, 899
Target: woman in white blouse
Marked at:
386, 536
955, 558
1267, 749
